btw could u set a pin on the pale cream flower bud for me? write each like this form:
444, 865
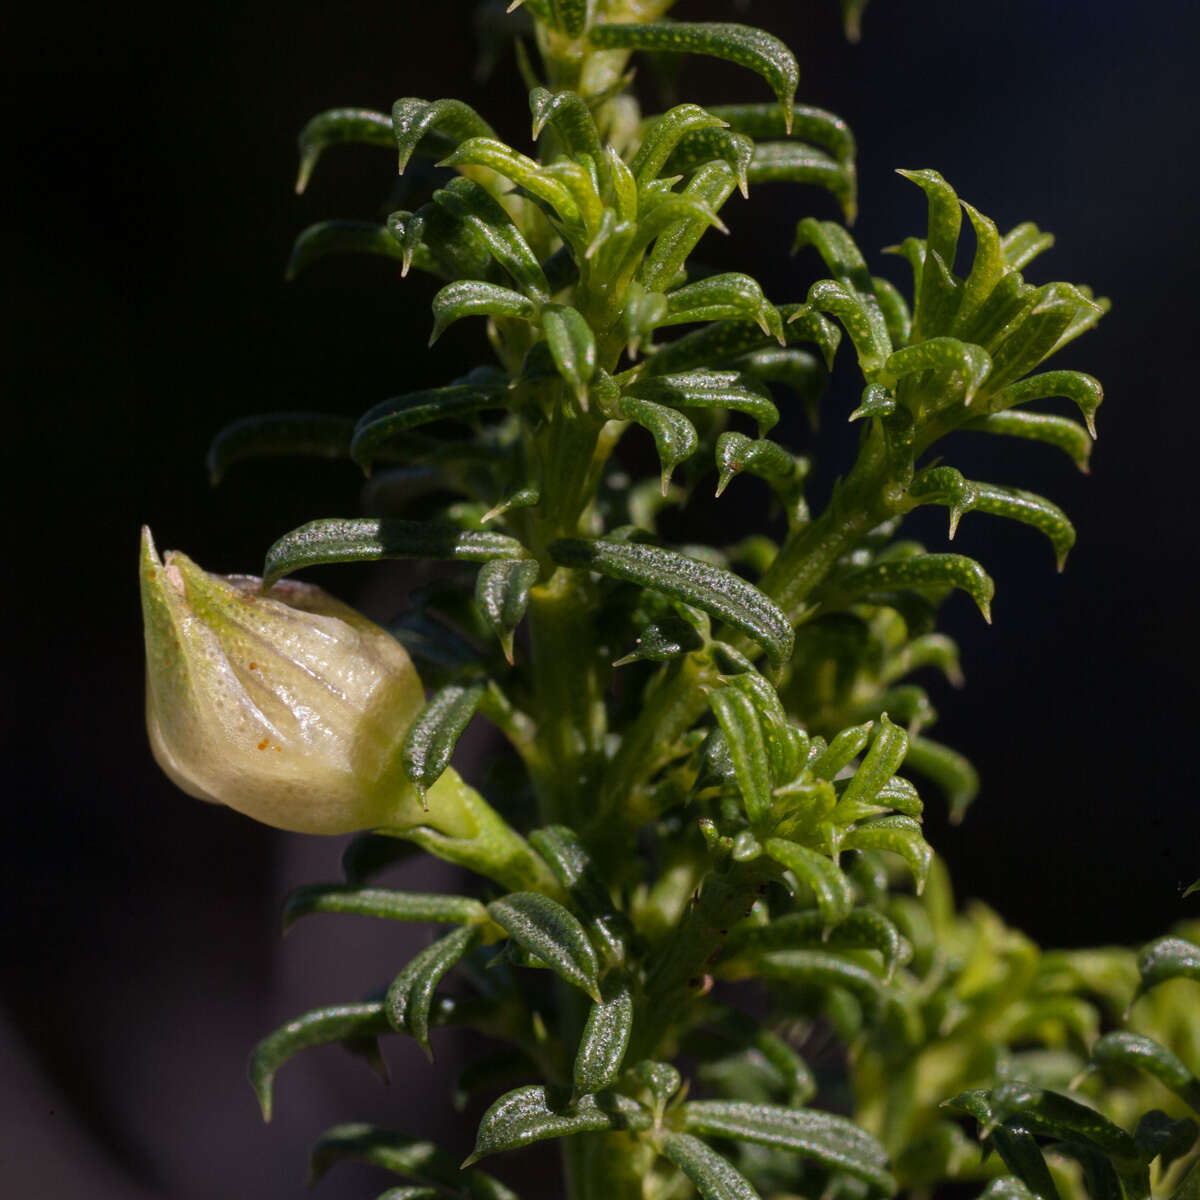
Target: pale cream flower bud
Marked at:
288, 706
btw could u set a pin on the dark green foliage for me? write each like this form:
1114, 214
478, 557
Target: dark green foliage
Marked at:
702, 819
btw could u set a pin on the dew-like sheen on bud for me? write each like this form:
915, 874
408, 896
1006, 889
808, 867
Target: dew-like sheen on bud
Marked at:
287, 705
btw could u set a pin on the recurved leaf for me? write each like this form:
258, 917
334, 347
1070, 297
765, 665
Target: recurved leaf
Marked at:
437, 126
729, 296
546, 930
605, 1037
380, 902
945, 213
1023, 243
431, 738
502, 594
968, 361
567, 113
1168, 958
474, 298
718, 592
845, 747
410, 996
401, 1155
836, 247
714, 1177
318, 1027
712, 390
740, 44
815, 125
1050, 1114
815, 968
830, 1140
1132, 1050
526, 1115
1067, 435
268, 435
899, 834
481, 212
344, 237
834, 895
794, 162
1030, 509
675, 437
739, 721
366, 539
1084, 391
861, 317
948, 769
703, 145
937, 571
340, 125
735, 453
664, 134
389, 419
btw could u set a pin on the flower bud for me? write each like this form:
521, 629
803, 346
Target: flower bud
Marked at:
287, 705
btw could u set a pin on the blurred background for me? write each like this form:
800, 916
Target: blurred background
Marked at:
152, 155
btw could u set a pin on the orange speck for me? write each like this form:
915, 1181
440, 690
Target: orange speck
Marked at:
254, 666
152, 573
278, 749
263, 744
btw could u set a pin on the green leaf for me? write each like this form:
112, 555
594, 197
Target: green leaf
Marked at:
1022, 244
945, 213
574, 869
1082, 390
1192, 889
481, 212
388, 419
711, 390
568, 114
963, 359
793, 162
675, 437
526, 1115
410, 995
277, 434
437, 127
318, 1027
546, 930
986, 268
899, 834
718, 592
834, 895
735, 453
845, 747
431, 738
815, 125
1030, 509
1049, 1114
1023, 1157
861, 317
1061, 432
380, 902
728, 296
343, 237
832, 1141
815, 968
924, 571
701, 146
738, 719
571, 16
740, 44
838, 251
861, 929
502, 596
438, 243
365, 539
338, 125
572, 346
663, 134
1134, 1051
1167, 958
948, 769
882, 761
520, 169
474, 298
1163, 1137
714, 1177
401, 1155
605, 1037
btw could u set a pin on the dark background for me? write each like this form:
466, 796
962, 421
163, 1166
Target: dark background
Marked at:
152, 155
